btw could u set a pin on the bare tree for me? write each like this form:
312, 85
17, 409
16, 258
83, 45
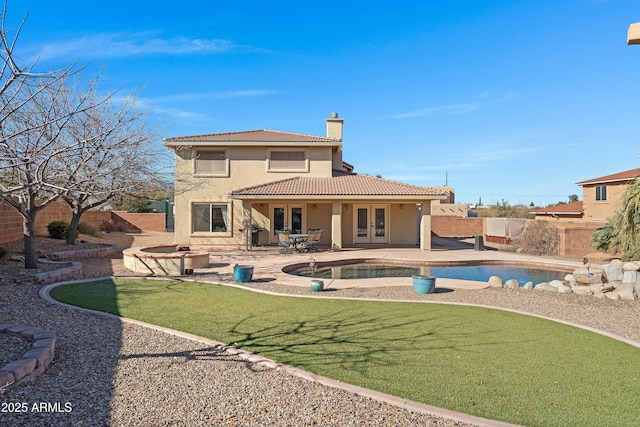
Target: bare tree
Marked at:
116, 156
33, 119
33, 143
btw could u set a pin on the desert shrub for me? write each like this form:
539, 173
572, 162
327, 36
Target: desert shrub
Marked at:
107, 227
58, 229
631, 254
110, 227
539, 238
88, 229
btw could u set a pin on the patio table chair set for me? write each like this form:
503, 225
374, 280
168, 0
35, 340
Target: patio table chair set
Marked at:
290, 242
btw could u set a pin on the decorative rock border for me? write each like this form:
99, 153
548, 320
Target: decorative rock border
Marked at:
34, 362
83, 253
70, 272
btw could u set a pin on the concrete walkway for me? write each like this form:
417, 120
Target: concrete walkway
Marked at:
268, 263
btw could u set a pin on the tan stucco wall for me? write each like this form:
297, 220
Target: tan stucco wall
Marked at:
403, 218
601, 210
247, 167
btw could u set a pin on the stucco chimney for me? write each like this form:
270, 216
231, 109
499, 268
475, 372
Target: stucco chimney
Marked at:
334, 127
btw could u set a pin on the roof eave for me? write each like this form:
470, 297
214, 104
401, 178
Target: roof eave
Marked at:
342, 197
185, 144
604, 181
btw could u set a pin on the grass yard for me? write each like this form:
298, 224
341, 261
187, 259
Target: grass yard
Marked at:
489, 363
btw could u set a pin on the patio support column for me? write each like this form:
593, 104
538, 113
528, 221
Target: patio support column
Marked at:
247, 207
336, 226
425, 226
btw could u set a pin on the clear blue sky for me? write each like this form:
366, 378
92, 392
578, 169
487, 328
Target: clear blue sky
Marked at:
515, 100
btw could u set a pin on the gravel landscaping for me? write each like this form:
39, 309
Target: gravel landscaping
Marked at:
107, 372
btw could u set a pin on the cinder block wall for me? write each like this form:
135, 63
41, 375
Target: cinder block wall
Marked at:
575, 238
140, 221
455, 226
11, 220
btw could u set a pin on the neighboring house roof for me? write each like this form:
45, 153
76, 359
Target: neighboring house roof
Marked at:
573, 208
616, 177
250, 137
340, 185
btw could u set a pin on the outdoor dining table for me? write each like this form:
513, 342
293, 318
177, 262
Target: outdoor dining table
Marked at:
296, 240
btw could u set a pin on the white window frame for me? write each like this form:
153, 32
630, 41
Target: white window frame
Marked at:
224, 174
599, 189
305, 168
210, 232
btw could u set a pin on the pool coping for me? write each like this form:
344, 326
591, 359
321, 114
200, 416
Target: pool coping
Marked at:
269, 265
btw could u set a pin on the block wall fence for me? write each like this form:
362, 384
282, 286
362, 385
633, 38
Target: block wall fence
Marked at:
11, 221
574, 236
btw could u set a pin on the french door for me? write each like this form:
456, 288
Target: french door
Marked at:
287, 217
371, 223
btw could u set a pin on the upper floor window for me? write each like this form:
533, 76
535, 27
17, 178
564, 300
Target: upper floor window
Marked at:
211, 162
601, 193
287, 160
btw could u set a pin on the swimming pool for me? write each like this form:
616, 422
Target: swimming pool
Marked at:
367, 269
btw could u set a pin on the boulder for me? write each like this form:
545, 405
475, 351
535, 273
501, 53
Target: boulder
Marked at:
527, 286
626, 291
560, 286
495, 282
613, 270
588, 276
512, 284
630, 276
631, 266
544, 286
582, 290
612, 295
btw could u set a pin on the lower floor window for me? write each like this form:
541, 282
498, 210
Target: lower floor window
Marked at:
209, 217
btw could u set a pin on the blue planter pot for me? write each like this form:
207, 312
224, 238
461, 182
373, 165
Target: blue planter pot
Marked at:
242, 273
424, 284
317, 285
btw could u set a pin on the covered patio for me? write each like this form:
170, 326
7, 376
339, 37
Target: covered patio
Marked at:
353, 210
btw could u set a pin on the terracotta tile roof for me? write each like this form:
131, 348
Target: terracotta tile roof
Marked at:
339, 185
565, 208
616, 177
250, 136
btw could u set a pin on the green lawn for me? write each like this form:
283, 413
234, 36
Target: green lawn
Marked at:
484, 362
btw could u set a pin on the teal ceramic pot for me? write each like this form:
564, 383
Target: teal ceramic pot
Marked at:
242, 273
317, 285
424, 284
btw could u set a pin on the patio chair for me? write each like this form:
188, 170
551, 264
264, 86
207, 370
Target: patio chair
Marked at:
283, 241
313, 240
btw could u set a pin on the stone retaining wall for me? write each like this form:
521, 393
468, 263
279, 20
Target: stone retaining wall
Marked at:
83, 253
71, 272
34, 362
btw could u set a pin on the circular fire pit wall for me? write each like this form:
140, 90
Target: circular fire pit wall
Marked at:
167, 260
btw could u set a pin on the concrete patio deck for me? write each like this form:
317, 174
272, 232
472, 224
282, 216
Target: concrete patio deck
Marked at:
268, 263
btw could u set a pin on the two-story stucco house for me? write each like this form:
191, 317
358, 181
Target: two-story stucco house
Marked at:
602, 196
228, 184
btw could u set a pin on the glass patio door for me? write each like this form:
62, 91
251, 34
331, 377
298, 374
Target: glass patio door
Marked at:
287, 217
371, 224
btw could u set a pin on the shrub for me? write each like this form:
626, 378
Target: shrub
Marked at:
58, 230
110, 227
539, 238
88, 229
107, 227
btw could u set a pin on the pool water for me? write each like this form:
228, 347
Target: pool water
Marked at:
480, 273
